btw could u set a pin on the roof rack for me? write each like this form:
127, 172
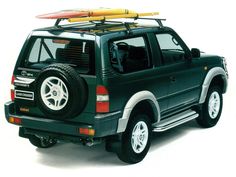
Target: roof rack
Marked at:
126, 24
101, 15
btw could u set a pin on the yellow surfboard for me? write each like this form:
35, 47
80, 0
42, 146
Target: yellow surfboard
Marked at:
108, 17
105, 12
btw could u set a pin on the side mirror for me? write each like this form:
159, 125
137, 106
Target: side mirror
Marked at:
195, 53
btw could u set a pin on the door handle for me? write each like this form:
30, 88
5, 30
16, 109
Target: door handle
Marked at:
172, 79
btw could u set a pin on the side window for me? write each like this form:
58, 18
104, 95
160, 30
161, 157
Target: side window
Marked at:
44, 49
172, 51
33, 56
129, 55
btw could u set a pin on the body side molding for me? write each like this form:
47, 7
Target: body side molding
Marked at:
210, 75
133, 101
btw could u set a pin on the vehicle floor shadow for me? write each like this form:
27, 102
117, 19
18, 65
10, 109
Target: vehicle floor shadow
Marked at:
68, 155
160, 139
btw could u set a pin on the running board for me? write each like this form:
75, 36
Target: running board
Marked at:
175, 120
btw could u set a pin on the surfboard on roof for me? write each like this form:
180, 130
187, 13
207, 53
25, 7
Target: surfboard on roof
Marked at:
84, 13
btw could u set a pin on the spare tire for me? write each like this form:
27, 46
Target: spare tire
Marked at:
60, 92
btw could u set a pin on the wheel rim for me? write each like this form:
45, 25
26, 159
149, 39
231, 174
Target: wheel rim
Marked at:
54, 93
214, 105
139, 137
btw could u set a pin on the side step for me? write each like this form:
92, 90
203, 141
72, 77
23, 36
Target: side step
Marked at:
175, 120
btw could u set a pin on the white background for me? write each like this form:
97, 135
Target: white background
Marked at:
184, 151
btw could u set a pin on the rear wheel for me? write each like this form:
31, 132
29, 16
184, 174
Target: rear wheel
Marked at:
211, 109
42, 142
135, 141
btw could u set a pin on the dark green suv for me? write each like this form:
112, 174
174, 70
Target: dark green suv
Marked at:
112, 81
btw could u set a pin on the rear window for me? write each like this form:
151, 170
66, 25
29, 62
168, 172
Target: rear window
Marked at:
44, 51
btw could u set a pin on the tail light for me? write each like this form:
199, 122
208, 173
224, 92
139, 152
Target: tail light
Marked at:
102, 102
15, 120
12, 88
87, 131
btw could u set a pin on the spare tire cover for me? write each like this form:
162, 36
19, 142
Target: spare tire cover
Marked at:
60, 92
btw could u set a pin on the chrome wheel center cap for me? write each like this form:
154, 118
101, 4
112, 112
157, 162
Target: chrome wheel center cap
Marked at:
54, 92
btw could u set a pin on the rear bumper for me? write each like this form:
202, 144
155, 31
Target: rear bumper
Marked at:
104, 125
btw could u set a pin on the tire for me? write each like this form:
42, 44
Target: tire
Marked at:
130, 149
60, 92
211, 109
41, 142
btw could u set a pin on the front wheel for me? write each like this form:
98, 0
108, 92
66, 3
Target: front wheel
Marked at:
135, 141
212, 108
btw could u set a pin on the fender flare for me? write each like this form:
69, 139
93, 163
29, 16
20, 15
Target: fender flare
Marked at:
133, 101
207, 81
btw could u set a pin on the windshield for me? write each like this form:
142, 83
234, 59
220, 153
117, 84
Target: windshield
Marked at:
44, 51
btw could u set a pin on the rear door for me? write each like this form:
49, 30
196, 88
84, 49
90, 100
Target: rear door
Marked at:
42, 51
183, 75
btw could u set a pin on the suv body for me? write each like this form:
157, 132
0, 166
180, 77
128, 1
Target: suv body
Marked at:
92, 82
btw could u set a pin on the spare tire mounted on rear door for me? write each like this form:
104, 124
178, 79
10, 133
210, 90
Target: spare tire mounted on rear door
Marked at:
60, 92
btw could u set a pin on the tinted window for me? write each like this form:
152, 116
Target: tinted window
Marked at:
44, 51
171, 49
129, 55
